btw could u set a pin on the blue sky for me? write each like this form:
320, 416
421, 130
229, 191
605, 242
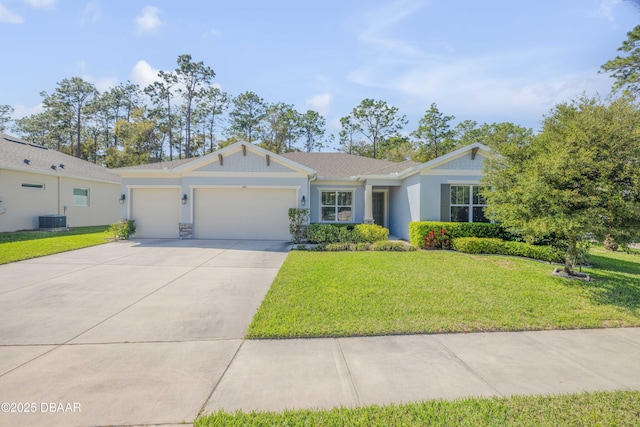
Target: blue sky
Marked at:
489, 61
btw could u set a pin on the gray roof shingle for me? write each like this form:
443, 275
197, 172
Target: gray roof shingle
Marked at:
341, 165
14, 151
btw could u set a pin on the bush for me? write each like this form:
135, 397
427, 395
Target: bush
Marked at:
369, 233
610, 244
338, 247
123, 230
476, 245
346, 233
362, 246
419, 230
435, 240
297, 220
385, 245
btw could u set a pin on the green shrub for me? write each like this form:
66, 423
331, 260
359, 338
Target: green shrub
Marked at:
346, 233
477, 245
123, 230
338, 247
297, 220
420, 229
385, 245
369, 233
363, 246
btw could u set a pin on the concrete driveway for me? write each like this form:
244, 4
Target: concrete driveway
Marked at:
86, 335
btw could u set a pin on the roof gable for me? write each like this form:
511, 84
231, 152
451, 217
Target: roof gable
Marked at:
465, 158
18, 154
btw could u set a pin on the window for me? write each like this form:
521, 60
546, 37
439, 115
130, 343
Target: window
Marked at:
80, 197
467, 204
336, 206
38, 186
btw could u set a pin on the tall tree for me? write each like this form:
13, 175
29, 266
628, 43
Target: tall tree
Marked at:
72, 95
191, 77
312, 130
214, 102
350, 138
5, 116
626, 69
139, 136
377, 121
434, 135
578, 177
281, 127
248, 111
161, 95
467, 132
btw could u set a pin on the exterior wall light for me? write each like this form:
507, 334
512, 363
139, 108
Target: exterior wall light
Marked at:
122, 198
184, 199
303, 201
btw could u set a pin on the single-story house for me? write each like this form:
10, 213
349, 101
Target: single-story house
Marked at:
35, 182
244, 192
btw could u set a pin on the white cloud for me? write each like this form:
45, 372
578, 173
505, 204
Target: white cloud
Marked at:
143, 74
41, 4
91, 12
605, 10
20, 111
9, 17
379, 21
148, 21
320, 102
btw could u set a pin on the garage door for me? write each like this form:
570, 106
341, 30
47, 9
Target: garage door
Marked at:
243, 213
156, 212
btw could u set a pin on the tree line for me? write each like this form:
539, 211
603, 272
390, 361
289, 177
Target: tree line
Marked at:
183, 114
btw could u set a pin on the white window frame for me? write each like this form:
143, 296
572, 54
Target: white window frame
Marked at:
469, 205
337, 190
77, 199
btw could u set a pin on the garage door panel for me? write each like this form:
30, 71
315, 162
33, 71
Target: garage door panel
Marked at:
247, 213
156, 212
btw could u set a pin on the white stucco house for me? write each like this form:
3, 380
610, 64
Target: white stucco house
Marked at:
244, 192
35, 181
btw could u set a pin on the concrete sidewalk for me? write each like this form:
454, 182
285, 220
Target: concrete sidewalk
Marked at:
323, 373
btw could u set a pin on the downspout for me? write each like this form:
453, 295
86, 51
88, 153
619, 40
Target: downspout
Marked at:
313, 178
59, 198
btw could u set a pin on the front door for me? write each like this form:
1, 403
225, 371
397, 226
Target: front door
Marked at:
378, 208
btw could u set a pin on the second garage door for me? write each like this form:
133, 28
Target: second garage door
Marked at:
242, 213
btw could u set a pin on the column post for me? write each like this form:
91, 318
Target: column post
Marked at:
368, 204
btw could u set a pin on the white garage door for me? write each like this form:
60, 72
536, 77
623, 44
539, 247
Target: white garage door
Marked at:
156, 212
243, 213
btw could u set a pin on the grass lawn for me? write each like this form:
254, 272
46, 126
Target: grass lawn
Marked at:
31, 244
619, 408
327, 294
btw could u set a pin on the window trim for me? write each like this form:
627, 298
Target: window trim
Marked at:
85, 197
337, 190
469, 205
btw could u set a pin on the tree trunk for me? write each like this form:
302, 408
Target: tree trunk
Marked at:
572, 255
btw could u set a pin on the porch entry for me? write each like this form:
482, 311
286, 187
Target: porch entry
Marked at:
379, 211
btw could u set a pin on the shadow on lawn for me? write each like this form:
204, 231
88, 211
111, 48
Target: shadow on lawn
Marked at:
616, 282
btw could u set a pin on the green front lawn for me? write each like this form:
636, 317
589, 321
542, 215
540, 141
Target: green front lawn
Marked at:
324, 294
22, 245
620, 408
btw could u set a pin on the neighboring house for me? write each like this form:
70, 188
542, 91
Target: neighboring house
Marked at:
35, 181
244, 192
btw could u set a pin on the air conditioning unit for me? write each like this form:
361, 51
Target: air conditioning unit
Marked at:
46, 222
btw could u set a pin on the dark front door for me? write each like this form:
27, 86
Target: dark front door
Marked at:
378, 208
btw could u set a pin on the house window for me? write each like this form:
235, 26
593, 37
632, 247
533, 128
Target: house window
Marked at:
38, 186
80, 197
336, 206
467, 204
